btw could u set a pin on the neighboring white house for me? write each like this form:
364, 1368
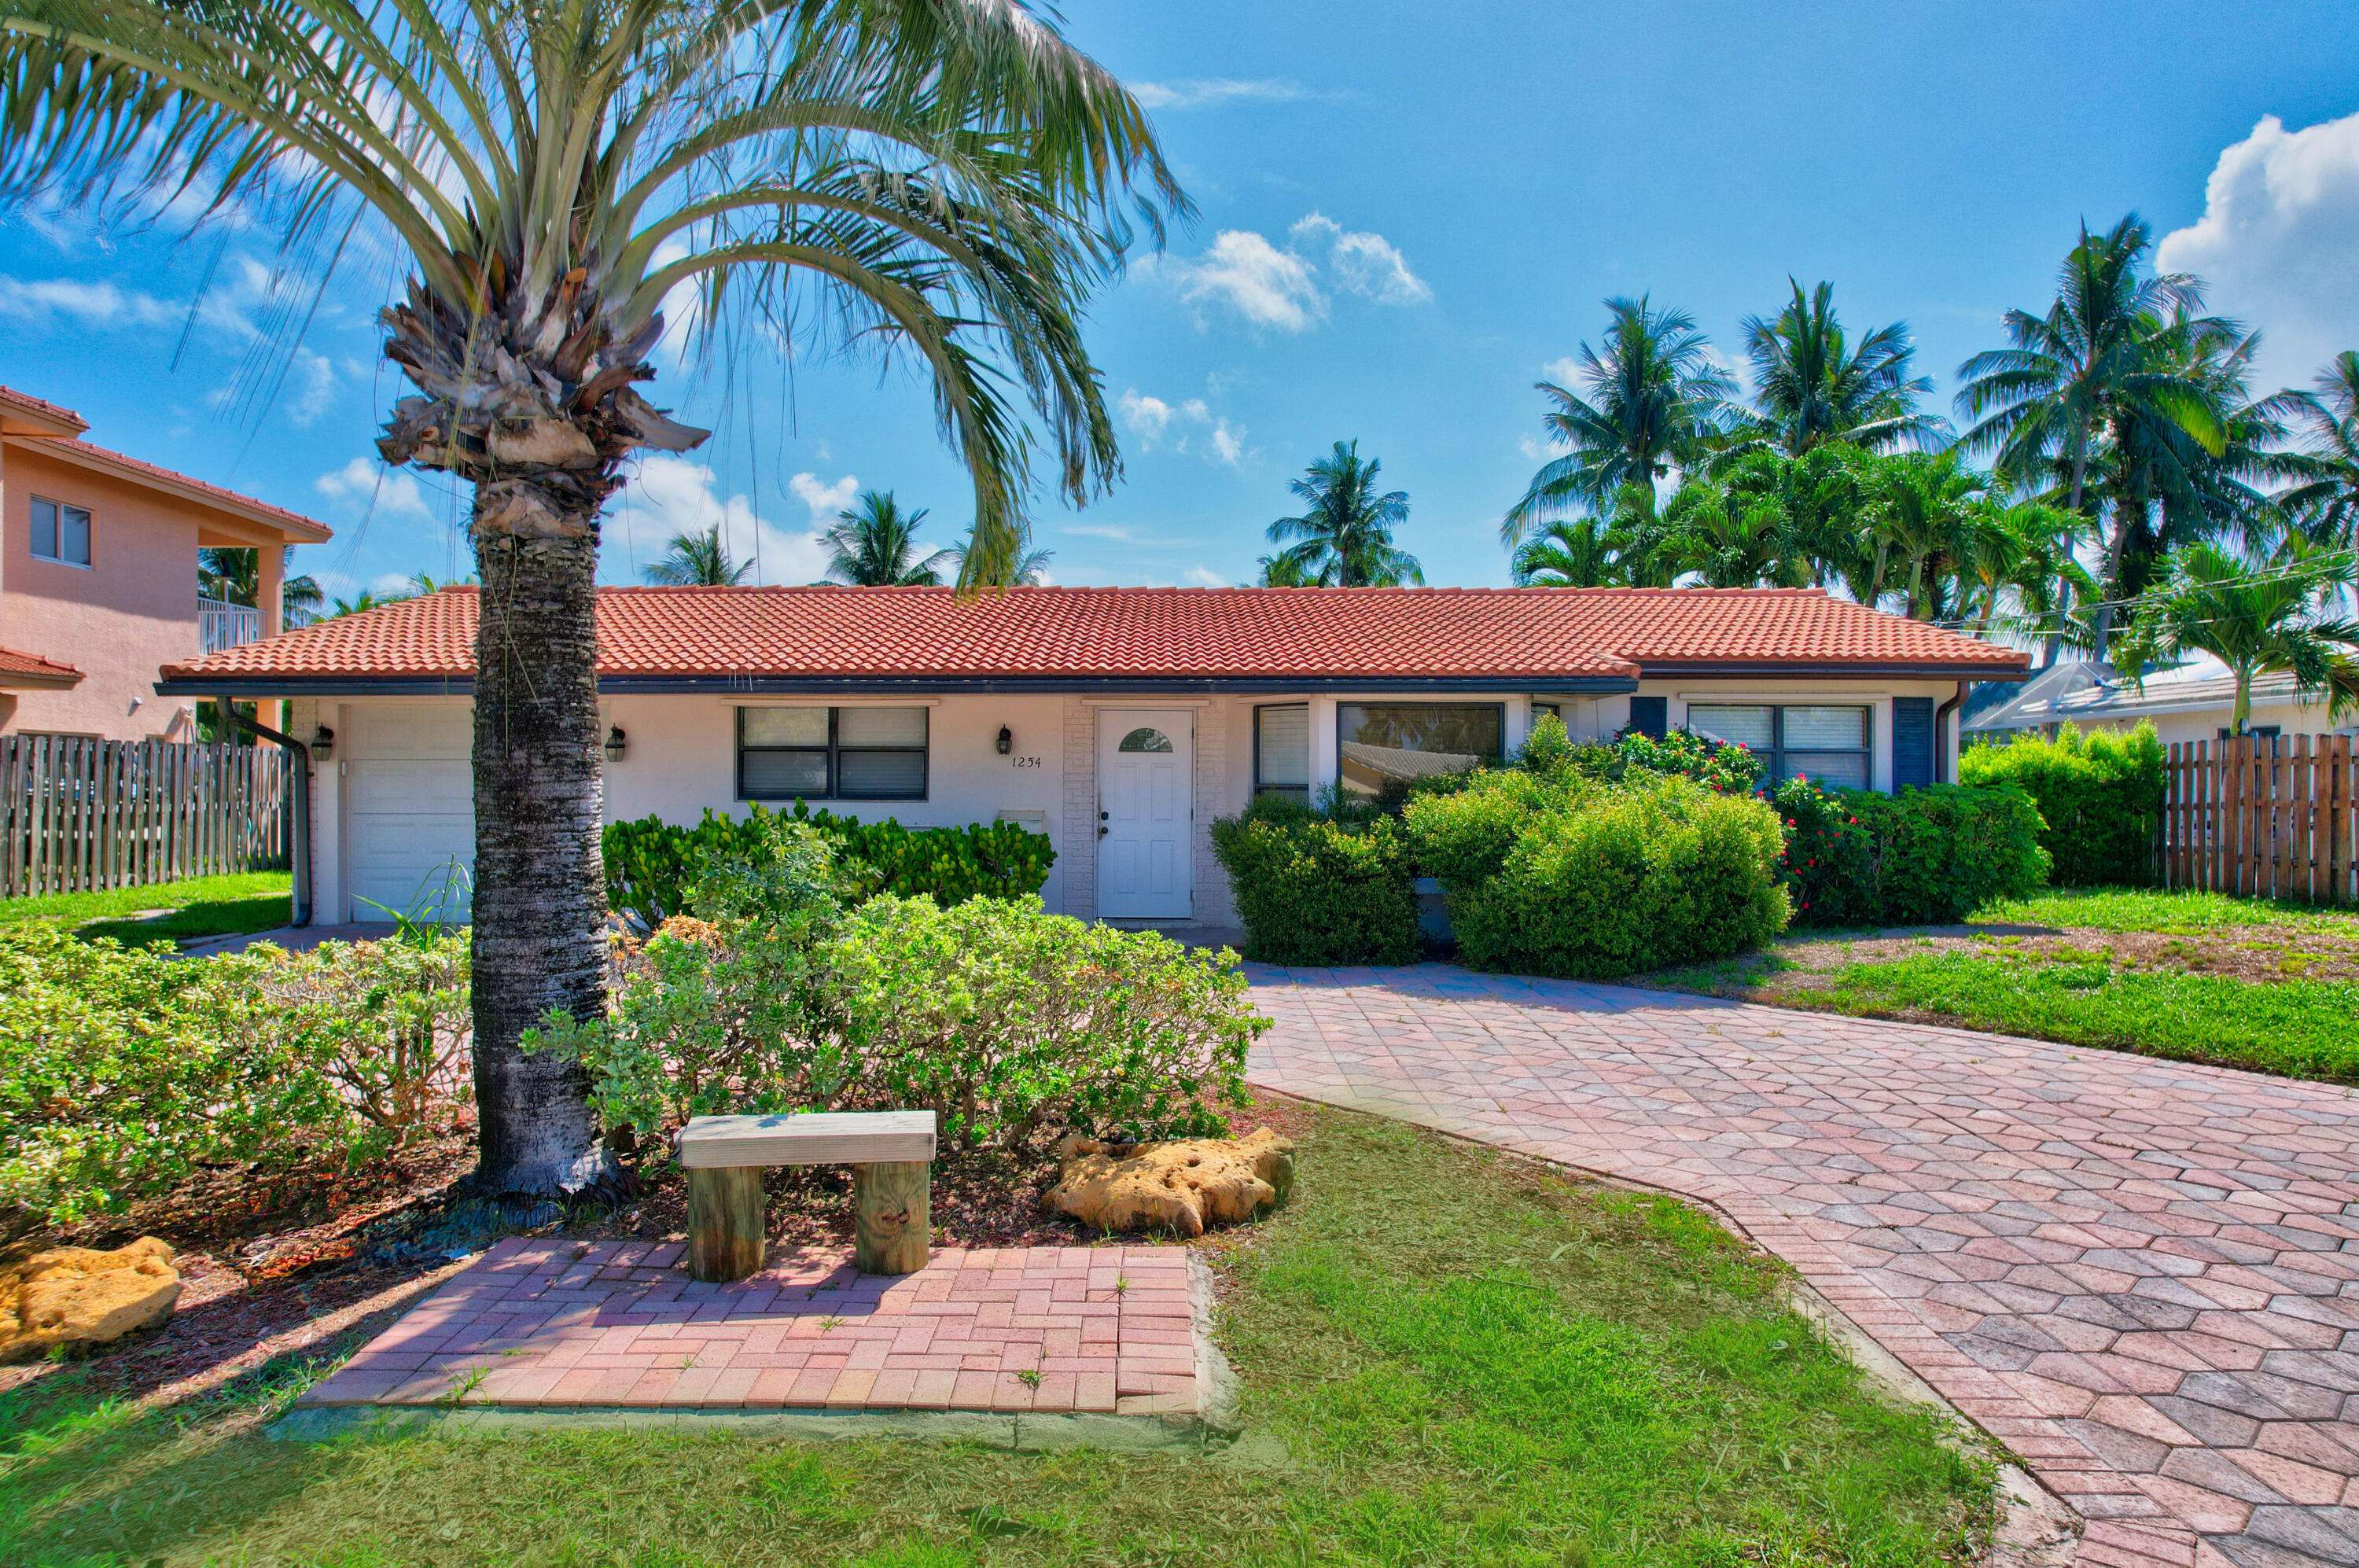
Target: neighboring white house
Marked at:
1119, 720
2189, 702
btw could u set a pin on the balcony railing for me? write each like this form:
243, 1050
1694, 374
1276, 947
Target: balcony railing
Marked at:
222, 625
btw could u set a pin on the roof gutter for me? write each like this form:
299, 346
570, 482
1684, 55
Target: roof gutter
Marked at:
298, 849
1665, 669
1941, 731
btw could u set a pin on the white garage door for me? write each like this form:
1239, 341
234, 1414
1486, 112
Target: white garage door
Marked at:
409, 806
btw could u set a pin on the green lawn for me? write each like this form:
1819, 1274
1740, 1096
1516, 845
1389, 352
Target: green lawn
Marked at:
201, 906
2300, 1029
1447, 1357
2148, 909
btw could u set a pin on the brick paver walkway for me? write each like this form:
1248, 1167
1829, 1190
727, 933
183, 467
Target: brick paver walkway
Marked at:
2142, 1276
557, 1324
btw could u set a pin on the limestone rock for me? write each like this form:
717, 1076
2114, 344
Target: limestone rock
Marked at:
1183, 1185
75, 1295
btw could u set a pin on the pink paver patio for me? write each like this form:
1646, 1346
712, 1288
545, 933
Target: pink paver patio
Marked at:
558, 1324
2142, 1276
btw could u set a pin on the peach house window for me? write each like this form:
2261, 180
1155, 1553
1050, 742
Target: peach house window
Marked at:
60, 533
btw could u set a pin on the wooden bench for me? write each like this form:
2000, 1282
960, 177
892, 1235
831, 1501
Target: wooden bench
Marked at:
892, 1157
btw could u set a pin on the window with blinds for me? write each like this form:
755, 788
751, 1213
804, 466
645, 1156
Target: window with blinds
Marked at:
845, 753
1282, 750
1829, 743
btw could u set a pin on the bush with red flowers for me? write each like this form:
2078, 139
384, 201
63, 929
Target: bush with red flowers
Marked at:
1925, 856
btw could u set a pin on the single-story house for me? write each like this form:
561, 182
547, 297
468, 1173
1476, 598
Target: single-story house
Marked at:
2192, 700
1118, 721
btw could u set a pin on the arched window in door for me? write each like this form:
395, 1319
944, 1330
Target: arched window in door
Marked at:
1146, 739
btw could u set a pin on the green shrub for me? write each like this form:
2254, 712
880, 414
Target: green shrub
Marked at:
121, 1069
1005, 1020
1921, 858
2100, 799
1596, 882
1314, 891
1724, 767
652, 864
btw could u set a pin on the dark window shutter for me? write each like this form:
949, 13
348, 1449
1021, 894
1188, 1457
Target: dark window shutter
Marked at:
1912, 742
1650, 715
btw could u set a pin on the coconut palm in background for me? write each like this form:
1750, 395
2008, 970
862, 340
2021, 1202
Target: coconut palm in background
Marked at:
697, 560
1812, 386
2275, 620
1649, 400
874, 544
234, 575
1345, 540
942, 179
2325, 499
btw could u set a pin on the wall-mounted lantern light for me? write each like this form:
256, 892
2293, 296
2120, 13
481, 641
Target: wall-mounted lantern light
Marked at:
1007, 740
323, 742
614, 742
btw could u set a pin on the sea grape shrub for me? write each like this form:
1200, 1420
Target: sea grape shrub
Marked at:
1924, 857
1315, 890
2099, 796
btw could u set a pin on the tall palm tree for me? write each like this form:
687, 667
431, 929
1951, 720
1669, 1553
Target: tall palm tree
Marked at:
2259, 621
1812, 386
2325, 500
1653, 395
948, 179
1345, 538
2096, 374
1283, 571
1572, 552
697, 560
234, 575
1736, 530
874, 544
1924, 518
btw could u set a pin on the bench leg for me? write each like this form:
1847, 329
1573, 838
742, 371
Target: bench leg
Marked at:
727, 1231
891, 1226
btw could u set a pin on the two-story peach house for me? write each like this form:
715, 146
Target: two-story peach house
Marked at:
98, 577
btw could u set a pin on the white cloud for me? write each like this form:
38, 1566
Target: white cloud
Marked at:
375, 489
1115, 531
1209, 92
2278, 242
824, 500
1533, 452
1203, 577
48, 300
1364, 263
1150, 418
1278, 287
1564, 371
671, 496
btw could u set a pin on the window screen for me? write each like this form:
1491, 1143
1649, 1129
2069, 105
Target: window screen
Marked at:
1387, 744
1282, 750
852, 754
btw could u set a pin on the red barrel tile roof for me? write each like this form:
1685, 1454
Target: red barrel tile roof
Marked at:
1191, 634
14, 663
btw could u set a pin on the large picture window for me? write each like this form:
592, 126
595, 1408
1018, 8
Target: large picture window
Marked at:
1389, 744
1282, 750
60, 533
1827, 743
842, 754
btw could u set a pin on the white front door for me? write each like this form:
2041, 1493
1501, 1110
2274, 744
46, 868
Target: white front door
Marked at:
1146, 811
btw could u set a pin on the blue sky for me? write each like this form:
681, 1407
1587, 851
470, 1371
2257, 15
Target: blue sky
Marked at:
1406, 215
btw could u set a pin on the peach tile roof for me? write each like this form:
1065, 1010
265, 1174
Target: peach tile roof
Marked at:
1608, 636
33, 666
312, 532
41, 406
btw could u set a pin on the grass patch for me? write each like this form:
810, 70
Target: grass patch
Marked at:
201, 906
2150, 910
1461, 1358
2303, 1028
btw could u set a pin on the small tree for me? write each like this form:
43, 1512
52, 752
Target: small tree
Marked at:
2269, 620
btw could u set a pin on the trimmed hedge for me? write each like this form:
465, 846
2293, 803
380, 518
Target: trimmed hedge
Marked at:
651, 865
1593, 882
1926, 856
2100, 800
1314, 891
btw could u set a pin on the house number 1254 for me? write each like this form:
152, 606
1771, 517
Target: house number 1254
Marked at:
1023, 762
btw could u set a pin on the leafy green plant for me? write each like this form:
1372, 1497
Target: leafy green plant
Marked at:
121, 1069
1313, 889
1594, 881
1930, 856
1007, 1020
651, 865
2100, 799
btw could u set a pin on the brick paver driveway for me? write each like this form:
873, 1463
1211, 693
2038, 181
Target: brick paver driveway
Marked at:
2143, 1277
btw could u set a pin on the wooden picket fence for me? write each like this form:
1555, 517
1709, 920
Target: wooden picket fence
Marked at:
2267, 817
77, 815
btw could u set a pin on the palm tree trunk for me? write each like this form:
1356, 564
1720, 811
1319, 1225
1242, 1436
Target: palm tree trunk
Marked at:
540, 894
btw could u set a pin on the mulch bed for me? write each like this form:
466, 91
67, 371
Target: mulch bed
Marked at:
276, 1265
